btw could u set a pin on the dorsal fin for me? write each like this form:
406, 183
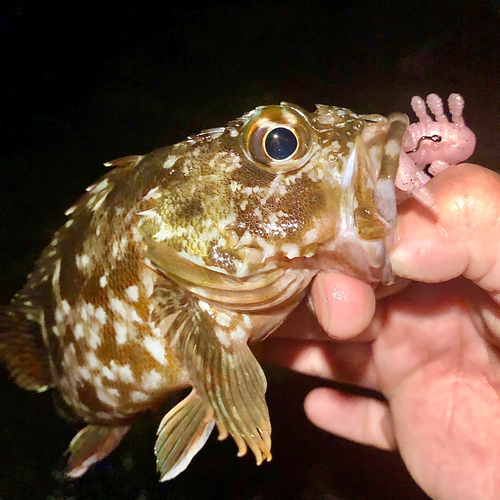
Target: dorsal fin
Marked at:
126, 161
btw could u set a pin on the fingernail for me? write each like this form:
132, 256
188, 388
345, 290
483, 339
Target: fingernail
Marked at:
399, 257
400, 253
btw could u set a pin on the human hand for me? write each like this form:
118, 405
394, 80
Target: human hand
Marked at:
432, 349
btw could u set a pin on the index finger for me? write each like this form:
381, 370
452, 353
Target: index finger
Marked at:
464, 238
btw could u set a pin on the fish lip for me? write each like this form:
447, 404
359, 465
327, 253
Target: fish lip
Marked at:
384, 194
380, 143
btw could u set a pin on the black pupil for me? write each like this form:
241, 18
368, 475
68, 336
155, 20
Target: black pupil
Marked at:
280, 143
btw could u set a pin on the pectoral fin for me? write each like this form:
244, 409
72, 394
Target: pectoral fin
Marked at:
91, 444
182, 433
222, 369
234, 384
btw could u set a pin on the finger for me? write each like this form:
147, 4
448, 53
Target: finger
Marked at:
343, 305
361, 419
394, 288
464, 238
346, 362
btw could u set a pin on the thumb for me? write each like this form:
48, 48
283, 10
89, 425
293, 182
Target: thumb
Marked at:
462, 237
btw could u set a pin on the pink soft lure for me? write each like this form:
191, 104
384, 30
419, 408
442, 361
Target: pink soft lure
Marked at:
432, 145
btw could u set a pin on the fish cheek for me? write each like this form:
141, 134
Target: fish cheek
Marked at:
221, 258
287, 214
303, 202
190, 209
250, 176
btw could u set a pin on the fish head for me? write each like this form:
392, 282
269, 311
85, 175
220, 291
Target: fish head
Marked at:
331, 203
281, 187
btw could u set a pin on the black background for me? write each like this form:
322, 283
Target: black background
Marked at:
80, 85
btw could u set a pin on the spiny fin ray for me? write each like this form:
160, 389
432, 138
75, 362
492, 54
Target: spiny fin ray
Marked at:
224, 373
126, 161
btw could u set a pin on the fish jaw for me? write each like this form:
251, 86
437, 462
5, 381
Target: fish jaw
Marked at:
369, 215
364, 234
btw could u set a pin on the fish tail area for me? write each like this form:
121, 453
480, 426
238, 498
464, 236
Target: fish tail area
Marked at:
90, 445
23, 350
181, 434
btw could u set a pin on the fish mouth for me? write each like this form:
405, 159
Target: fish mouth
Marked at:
375, 216
368, 206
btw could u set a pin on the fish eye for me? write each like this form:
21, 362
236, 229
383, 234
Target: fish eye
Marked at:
278, 138
280, 143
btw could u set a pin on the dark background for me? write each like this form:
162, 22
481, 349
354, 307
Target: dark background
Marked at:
80, 85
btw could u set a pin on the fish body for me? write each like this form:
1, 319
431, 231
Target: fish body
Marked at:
174, 260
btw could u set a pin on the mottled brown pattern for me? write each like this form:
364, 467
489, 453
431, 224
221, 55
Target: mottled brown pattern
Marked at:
88, 397
172, 261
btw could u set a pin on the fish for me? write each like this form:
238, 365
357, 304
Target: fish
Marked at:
173, 261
